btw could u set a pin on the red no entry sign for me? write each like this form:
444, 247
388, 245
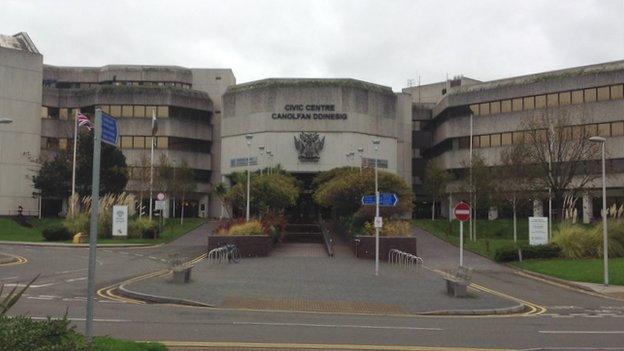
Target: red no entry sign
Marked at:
462, 211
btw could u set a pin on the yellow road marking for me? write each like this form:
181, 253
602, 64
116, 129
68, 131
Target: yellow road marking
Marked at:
302, 346
20, 260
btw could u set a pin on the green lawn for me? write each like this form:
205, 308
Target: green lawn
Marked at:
490, 234
11, 231
108, 344
586, 270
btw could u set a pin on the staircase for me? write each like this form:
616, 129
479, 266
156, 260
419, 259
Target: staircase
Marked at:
303, 233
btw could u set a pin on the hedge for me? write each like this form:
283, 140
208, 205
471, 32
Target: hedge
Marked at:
510, 253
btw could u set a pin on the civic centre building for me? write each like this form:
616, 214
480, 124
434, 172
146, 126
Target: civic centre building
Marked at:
303, 125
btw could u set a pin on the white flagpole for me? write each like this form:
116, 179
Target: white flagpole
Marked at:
73, 193
151, 168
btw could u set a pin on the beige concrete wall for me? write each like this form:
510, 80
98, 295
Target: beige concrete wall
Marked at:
20, 100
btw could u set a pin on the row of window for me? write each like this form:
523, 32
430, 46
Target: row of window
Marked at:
170, 143
580, 96
82, 85
143, 173
127, 111
609, 129
56, 143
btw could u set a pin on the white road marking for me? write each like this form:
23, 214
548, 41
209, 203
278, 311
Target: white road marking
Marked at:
153, 258
20, 285
75, 279
40, 298
95, 319
7, 278
336, 326
581, 331
71, 271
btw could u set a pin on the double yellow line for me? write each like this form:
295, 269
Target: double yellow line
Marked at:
18, 260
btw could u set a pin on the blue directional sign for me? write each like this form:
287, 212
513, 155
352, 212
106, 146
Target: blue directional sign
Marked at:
109, 129
385, 199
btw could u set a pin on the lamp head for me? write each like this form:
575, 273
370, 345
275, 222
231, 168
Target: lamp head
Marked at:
376, 144
597, 139
248, 137
360, 149
4, 120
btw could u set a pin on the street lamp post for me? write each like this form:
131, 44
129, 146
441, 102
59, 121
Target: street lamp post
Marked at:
4, 120
605, 243
269, 160
350, 157
376, 147
361, 153
261, 149
248, 138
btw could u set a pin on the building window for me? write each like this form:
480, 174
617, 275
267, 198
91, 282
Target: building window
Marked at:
602, 93
529, 103
617, 91
516, 104
518, 137
464, 143
139, 142
495, 107
495, 140
540, 101
162, 142
590, 95
552, 100
506, 106
577, 97
591, 130
604, 129
506, 139
63, 113
163, 111
115, 110
565, 98
63, 143
105, 109
126, 142
44, 112
475, 142
484, 109
126, 111
484, 141
474, 109
150, 111
139, 111
617, 128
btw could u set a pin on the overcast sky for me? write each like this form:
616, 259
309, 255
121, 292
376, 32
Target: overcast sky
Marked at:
383, 41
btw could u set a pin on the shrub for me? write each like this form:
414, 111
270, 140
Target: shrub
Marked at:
580, 242
390, 228
253, 227
24, 334
510, 252
616, 231
142, 228
78, 223
57, 233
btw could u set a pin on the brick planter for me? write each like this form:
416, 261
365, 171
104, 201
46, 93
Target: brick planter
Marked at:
365, 248
248, 245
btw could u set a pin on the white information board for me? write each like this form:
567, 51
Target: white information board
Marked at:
160, 205
538, 230
120, 220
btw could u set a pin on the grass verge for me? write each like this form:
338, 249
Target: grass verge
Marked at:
11, 231
585, 270
109, 344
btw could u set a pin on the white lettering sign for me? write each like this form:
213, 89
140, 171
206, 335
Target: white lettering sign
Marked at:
538, 230
120, 220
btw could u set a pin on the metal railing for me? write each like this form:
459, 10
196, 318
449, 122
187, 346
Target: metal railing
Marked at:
327, 239
218, 255
405, 260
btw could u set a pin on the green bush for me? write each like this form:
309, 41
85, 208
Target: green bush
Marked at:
142, 228
24, 334
253, 227
510, 252
390, 228
581, 242
79, 223
616, 231
56, 233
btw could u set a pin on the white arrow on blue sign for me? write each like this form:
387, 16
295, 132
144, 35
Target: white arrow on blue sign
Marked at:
109, 129
385, 199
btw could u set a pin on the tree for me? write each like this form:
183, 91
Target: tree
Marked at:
483, 187
220, 191
113, 168
268, 192
53, 179
343, 194
142, 175
435, 181
563, 155
513, 180
184, 184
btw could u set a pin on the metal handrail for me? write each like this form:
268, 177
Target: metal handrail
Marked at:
405, 260
327, 239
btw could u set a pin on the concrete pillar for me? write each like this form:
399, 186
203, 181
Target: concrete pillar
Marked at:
538, 208
445, 207
493, 213
588, 208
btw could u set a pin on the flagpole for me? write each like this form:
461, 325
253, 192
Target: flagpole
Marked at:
151, 167
73, 193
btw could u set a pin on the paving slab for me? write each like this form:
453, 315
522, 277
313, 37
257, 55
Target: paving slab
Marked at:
318, 283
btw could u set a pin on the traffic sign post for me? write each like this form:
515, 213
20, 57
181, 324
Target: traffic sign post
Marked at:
462, 213
385, 200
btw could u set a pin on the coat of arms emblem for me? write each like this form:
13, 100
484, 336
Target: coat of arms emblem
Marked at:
309, 146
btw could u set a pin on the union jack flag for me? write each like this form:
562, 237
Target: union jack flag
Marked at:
84, 121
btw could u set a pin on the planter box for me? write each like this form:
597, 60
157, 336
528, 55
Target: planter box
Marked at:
248, 245
365, 248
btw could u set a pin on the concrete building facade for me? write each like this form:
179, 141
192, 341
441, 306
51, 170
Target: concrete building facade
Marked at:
307, 125
21, 67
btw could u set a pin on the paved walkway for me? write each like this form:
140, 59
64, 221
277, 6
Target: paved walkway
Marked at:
300, 277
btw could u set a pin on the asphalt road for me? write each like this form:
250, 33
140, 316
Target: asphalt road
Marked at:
572, 319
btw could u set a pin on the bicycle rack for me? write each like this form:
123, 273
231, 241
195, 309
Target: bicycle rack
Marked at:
405, 260
218, 255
